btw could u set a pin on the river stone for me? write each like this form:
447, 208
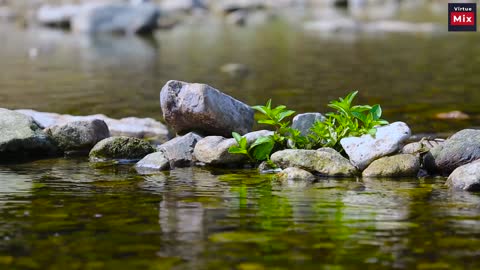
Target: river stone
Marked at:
403, 165
179, 151
466, 177
116, 18
203, 109
421, 147
57, 16
153, 162
324, 162
21, 138
305, 121
365, 149
124, 149
461, 148
79, 136
292, 173
214, 149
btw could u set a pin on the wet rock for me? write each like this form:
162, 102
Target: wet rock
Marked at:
365, 149
116, 18
453, 115
324, 162
238, 17
305, 121
184, 6
235, 69
213, 150
123, 149
466, 177
21, 138
228, 6
421, 147
403, 165
265, 167
129, 126
57, 16
78, 137
399, 27
153, 162
179, 151
461, 148
291, 173
203, 109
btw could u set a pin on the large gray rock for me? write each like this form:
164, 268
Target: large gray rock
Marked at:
213, 150
78, 137
365, 149
403, 165
461, 148
305, 121
116, 18
326, 162
153, 162
179, 151
292, 174
466, 177
201, 108
129, 126
22, 138
124, 149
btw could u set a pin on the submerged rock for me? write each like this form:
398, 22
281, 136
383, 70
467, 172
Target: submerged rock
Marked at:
21, 138
403, 165
129, 126
292, 173
323, 161
125, 149
79, 136
466, 177
461, 148
179, 151
201, 108
365, 149
153, 162
305, 121
213, 150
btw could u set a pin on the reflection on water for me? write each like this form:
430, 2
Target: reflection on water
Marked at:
222, 219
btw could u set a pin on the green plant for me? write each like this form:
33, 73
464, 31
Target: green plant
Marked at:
258, 151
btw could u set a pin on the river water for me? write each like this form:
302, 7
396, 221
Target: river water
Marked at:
68, 214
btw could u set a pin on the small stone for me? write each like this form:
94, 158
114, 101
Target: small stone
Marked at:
292, 173
453, 115
305, 121
179, 151
235, 69
123, 149
79, 136
324, 162
365, 149
466, 177
265, 167
421, 147
203, 109
403, 165
152, 163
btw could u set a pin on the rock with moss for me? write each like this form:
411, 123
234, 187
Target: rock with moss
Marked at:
21, 138
295, 174
326, 162
203, 109
124, 149
466, 177
78, 137
461, 148
213, 150
421, 147
365, 149
403, 165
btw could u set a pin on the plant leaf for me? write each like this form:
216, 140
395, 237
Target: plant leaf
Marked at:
237, 137
376, 111
285, 114
267, 122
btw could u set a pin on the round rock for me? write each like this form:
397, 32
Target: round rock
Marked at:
121, 148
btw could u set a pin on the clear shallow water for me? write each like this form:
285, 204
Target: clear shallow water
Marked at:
66, 214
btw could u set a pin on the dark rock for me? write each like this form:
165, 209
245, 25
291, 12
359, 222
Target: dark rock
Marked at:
466, 177
124, 149
21, 138
403, 165
179, 151
78, 137
203, 109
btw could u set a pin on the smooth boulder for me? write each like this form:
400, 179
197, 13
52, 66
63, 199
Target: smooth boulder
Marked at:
403, 165
213, 150
153, 162
22, 138
466, 177
305, 121
461, 148
124, 149
325, 161
203, 109
79, 136
179, 151
295, 174
365, 149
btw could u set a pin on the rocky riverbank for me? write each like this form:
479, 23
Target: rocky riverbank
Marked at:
204, 118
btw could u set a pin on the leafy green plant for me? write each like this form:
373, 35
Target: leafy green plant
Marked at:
258, 151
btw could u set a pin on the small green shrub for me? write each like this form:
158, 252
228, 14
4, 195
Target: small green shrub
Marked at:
347, 121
